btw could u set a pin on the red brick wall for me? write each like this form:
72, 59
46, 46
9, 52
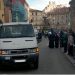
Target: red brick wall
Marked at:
6, 14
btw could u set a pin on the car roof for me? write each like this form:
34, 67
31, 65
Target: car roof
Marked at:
16, 23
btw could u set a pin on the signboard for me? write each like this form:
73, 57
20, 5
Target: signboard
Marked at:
18, 10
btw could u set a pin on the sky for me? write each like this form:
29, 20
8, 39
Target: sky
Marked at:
41, 4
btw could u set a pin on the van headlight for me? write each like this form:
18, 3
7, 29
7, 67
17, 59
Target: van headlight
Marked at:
2, 52
35, 50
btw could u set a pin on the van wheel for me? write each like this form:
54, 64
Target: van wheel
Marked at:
35, 64
1, 66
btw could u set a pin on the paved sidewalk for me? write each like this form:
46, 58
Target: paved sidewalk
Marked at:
71, 59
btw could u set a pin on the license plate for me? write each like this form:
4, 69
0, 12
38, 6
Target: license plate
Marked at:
18, 61
7, 58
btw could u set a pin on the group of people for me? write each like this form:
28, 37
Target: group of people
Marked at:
53, 39
61, 39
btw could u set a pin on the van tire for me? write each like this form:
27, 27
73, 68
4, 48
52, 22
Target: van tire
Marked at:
35, 64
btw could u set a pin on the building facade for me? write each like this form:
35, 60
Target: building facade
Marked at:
49, 7
7, 11
2, 10
72, 15
57, 16
36, 18
18, 11
26, 6
14, 10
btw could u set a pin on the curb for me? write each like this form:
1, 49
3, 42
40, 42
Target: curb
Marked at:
71, 59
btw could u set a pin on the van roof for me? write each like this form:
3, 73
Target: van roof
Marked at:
16, 23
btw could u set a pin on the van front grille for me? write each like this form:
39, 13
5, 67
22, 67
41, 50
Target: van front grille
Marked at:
19, 51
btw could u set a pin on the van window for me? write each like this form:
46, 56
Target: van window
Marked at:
16, 31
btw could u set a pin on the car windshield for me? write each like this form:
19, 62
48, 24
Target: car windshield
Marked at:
14, 31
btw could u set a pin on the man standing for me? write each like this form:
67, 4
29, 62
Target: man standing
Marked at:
65, 41
56, 40
51, 39
61, 39
70, 44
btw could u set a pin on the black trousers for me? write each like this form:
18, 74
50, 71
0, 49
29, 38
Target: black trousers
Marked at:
65, 47
70, 50
56, 44
61, 43
51, 44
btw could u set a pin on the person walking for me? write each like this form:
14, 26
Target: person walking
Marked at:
61, 39
39, 38
70, 44
65, 41
56, 40
40, 35
51, 39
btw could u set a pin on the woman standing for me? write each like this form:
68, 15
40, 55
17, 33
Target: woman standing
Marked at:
70, 44
65, 41
56, 40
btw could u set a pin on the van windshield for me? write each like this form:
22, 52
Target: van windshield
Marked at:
16, 31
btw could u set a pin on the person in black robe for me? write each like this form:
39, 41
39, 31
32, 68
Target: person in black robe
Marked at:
39, 36
56, 40
51, 40
61, 39
65, 41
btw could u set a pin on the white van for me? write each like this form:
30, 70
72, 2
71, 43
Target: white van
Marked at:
18, 44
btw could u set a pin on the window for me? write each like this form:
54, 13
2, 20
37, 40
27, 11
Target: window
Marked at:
31, 20
36, 13
17, 31
32, 13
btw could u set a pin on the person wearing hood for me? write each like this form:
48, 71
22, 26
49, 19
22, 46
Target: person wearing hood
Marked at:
70, 44
65, 41
51, 39
61, 39
56, 40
